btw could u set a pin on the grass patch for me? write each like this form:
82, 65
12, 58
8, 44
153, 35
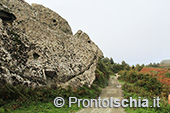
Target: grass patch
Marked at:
41, 100
112, 75
121, 81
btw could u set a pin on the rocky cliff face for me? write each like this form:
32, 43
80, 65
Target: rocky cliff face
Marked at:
39, 49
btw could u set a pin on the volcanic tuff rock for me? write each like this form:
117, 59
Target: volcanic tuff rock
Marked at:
40, 49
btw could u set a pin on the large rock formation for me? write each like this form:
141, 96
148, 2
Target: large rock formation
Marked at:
39, 49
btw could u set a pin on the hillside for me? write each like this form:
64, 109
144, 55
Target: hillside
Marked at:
147, 83
165, 62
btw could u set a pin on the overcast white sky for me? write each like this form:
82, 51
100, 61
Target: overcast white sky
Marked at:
137, 31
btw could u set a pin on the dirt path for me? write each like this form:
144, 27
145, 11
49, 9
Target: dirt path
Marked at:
112, 90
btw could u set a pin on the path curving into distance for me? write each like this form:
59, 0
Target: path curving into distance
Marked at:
112, 90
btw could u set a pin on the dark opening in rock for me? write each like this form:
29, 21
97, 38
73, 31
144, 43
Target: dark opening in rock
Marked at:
50, 74
26, 84
36, 56
13, 78
2, 82
54, 20
0, 69
89, 41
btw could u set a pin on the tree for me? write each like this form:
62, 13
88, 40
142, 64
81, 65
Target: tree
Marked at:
138, 67
111, 61
133, 67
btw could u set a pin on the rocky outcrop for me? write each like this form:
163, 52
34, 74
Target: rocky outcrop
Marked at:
39, 49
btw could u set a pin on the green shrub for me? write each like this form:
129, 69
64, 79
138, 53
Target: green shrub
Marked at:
167, 74
137, 91
149, 82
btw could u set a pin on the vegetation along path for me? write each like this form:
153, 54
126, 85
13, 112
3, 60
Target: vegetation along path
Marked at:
112, 90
